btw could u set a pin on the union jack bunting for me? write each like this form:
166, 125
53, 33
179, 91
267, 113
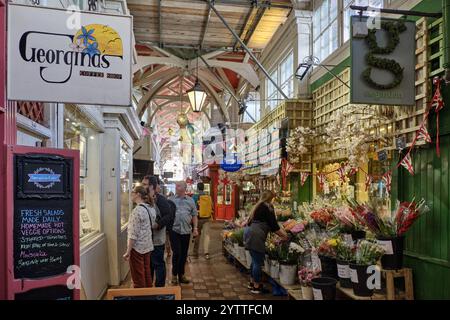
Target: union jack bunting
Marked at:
342, 173
387, 178
303, 177
423, 134
321, 177
352, 171
407, 163
368, 182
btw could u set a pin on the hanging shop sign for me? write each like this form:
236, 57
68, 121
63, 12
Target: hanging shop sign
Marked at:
71, 57
383, 62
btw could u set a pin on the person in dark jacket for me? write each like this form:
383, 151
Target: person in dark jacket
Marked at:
164, 220
261, 221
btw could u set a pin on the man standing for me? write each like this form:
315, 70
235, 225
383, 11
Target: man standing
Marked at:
185, 217
164, 219
205, 210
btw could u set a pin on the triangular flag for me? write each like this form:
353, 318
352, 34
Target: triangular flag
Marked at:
407, 163
423, 134
321, 177
387, 178
342, 173
303, 177
352, 171
438, 103
368, 182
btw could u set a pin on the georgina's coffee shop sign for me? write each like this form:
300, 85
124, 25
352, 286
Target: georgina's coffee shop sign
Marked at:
56, 55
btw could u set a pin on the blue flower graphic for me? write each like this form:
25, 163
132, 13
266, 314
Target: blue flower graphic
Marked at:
92, 49
86, 35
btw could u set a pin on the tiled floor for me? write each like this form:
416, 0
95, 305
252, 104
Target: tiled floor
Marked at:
216, 278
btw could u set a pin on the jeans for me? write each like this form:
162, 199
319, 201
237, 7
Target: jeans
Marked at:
180, 248
256, 266
158, 266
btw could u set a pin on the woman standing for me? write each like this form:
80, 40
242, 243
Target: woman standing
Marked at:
140, 242
261, 221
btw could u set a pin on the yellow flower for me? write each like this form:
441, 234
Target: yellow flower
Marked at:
332, 242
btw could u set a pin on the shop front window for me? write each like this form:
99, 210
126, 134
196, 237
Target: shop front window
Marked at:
272, 92
79, 135
325, 24
125, 200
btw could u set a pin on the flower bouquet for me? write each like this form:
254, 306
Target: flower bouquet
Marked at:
347, 223
367, 255
305, 275
322, 216
345, 253
327, 256
389, 228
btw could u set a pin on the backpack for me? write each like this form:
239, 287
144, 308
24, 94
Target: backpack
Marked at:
205, 206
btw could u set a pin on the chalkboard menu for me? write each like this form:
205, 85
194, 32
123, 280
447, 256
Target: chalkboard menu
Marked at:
43, 214
47, 293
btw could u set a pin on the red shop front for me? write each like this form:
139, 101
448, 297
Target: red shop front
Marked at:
223, 192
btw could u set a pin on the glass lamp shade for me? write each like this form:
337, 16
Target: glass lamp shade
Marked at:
196, 97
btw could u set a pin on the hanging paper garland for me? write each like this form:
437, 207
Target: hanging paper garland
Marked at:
387, 178
407, 163
303, 177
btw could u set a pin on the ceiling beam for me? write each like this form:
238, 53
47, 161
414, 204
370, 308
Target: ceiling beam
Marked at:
205, 27
160, 24
244, 26
254, 25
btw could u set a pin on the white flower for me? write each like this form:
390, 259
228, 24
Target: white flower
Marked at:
294, 247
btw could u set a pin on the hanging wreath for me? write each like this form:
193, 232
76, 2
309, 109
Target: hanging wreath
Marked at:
393, 29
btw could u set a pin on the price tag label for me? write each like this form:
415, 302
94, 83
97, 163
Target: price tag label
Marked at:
386, 245
317, 293
343, 271
354, 275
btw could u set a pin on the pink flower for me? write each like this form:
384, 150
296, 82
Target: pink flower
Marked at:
299, 227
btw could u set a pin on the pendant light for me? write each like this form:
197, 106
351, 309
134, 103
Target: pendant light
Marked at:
197, 95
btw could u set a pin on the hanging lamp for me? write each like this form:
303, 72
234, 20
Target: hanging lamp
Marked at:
197, 95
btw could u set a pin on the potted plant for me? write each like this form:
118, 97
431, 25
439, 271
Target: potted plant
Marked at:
305, 276
345, 253
288, 257
390, 227
327, 256
367, 255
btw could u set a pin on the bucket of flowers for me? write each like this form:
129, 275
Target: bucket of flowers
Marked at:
327, 256
390, 227
322, 217
273, 255
288, 255
368, 253
238, 237
345, 254
347, 224
305, 276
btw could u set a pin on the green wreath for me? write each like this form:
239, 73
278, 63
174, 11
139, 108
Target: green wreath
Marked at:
394, 29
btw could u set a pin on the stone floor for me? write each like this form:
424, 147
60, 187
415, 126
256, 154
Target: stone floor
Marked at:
216, 278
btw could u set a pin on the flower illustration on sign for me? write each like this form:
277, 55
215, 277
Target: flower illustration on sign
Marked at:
86, 35
77, 46
92, 49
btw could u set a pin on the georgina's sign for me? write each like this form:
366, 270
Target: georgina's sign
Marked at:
51, 60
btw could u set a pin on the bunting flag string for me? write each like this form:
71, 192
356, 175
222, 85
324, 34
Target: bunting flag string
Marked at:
407, 163
387, 178
352, 171
303, 177
438, 103
342, 173
321, 178
423, 134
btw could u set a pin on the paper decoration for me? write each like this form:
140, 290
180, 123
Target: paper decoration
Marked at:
303, 177
423, 134
387, 178
407, 163
352, 171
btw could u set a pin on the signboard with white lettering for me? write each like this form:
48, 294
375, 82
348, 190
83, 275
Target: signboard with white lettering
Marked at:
383, 62
67, 56
43, 216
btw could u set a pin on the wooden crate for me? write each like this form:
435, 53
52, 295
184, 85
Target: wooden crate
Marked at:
400, 120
